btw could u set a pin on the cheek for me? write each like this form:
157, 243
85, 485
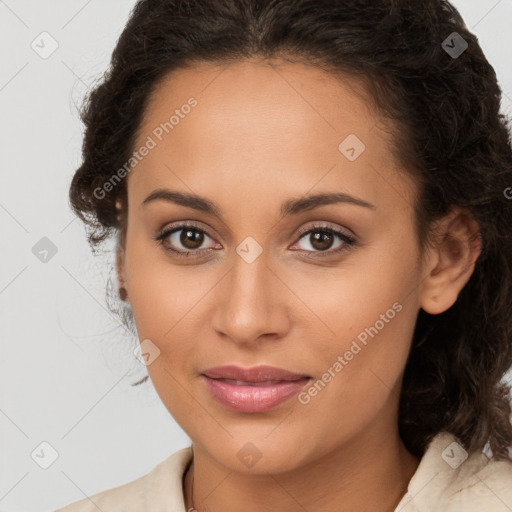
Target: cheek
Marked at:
161, 293
166, 300
162, 298
345, 299
357, 374
367, 311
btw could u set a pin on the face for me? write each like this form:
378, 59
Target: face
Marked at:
328, 290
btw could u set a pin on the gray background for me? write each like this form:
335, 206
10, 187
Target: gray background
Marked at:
66, 364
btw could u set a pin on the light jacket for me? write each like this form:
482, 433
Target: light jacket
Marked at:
446, 480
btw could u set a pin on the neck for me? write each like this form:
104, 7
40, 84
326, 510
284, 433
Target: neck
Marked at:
366, 473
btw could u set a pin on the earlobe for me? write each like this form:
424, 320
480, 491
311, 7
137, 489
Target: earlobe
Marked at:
452, 263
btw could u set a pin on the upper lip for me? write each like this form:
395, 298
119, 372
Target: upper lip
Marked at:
254, 374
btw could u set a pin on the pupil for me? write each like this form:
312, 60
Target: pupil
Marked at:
324, 238
189, 236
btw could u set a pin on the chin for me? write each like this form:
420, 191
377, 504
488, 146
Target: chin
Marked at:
258, 454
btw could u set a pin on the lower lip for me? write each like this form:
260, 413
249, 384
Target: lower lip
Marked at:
254, 398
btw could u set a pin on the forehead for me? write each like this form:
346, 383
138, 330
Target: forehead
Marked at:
260, 127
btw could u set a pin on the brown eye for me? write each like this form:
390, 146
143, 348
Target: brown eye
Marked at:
191, 238
184, 240
321, 240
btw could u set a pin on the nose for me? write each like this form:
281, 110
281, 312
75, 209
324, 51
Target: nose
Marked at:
251, 303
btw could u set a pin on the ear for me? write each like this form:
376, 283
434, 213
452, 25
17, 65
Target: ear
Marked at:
450, 262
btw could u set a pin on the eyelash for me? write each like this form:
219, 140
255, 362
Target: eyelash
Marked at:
348, 240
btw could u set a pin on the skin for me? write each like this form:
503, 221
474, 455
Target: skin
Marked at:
262, 133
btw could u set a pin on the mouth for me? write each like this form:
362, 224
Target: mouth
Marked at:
248, 383
256, 389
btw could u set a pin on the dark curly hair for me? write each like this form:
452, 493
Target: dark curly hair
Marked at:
447, 132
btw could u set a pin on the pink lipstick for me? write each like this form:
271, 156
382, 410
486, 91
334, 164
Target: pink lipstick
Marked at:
255, 389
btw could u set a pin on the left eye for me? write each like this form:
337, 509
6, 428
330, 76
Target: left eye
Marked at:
321, 239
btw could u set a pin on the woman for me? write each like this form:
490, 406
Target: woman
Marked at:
309, 199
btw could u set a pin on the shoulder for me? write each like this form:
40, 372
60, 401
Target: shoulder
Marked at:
485, 483
162, 486
449, 479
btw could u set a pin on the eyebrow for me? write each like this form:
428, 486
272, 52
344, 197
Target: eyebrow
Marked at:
290, 207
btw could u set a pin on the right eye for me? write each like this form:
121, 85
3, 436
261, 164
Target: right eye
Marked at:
189, 236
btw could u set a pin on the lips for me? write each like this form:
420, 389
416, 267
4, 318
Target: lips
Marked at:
255, 389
